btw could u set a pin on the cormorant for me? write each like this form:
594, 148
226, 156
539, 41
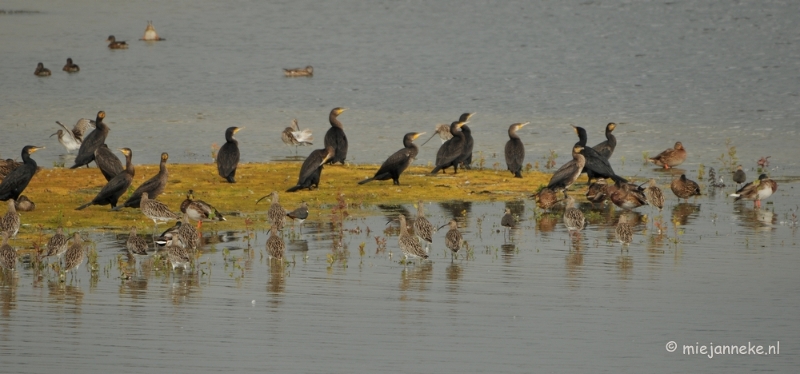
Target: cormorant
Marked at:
154, 186
568, 173
228, 155
450, 152
606, 148
116, 186
398, 161
108, 164
596, 166
311, 170
515, 150
92, 141
16, 181
466, 155
336, 138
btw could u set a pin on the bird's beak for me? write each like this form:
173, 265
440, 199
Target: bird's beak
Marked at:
460, 124
327, 157
521, 125
34, 149
238, 129
440, 227
417, 135
54, 133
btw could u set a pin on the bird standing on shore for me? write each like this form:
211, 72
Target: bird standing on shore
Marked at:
450, 152
228, 155
115, 187
108, 164
606, 148
398, 162
10, 222
515, 150
154, 186
311, 171
17, 180
336, 138
300, 215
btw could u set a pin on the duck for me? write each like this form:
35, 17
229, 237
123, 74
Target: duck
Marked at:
114, 44
42, 71
670, 157
626, 195
70, 67
150, 34
307, 71
546, 198
684, 188
757, 190
596, 193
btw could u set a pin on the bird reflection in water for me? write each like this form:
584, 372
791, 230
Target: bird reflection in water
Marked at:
9, 280
63, 293
184, 285
416, 278
547, 222
625, 266
681, 213
277, 277
574, 266
508, 250
762, 220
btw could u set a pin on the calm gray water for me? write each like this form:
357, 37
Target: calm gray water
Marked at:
698, 72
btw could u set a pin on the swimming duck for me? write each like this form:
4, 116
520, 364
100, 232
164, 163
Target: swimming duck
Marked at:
150, 34
685, 188
670, 157
41, 71
70, 67
114, 44
307, 71
757, 190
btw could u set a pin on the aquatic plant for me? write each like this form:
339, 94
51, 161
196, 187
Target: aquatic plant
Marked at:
551, 160
645, 157
728, 159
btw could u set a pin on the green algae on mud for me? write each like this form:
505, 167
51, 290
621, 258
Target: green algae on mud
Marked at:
57, 192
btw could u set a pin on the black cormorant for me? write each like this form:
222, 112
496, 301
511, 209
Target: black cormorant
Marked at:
91, 142
450, 152
108, 164
399, 161
116, 186
515, 150
596, 166
311, 170
568, 173
606, 148
466, 155
228, 155
154, 186
16, 180
336, 138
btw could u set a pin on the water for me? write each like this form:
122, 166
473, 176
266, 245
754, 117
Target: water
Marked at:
695, 72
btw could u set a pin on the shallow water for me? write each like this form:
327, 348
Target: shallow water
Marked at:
695, 72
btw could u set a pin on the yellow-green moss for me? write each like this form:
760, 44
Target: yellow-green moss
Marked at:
57, 192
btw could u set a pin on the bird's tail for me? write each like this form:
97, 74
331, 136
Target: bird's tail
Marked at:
295, 188
366, 180
617, 178
118, 208
84, 206
218, 216
436, 170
